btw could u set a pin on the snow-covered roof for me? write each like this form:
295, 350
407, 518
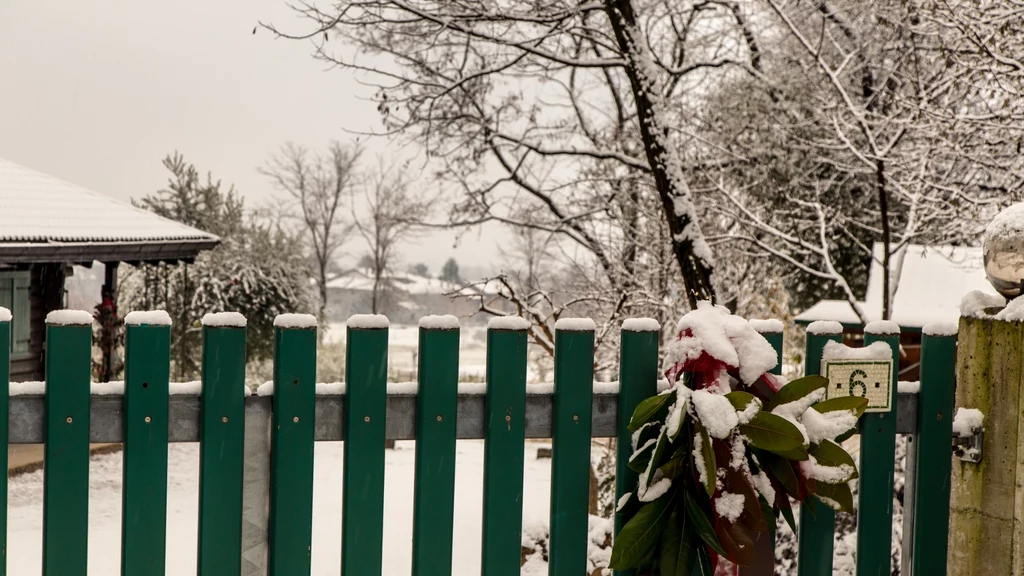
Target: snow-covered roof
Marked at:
933, 281
36, 208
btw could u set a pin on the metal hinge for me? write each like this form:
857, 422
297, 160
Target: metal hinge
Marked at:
968, 448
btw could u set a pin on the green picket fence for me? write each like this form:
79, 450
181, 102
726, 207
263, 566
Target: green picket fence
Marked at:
233, 490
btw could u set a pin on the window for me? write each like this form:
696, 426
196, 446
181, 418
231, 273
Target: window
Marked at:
14, 289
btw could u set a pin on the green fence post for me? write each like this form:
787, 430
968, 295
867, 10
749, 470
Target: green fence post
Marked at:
144, 486
638, 379
291, 441
222, 445
436, 403
66, 460
366, 370
5, 374
570, 456
934, 434
764, 550
817, 520
504, 447
877, 466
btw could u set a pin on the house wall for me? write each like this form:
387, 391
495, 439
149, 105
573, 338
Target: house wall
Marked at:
46, 293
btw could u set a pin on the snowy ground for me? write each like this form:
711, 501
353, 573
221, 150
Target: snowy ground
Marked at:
25, 510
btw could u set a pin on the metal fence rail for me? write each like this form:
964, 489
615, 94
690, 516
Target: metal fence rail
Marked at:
27, 417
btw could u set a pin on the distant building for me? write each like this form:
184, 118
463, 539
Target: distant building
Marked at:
408, 297
931, 285
48, 225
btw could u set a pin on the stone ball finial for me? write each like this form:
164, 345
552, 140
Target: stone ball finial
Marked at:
1004, 251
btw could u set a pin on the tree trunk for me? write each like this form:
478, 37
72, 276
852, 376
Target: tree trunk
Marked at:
688, 245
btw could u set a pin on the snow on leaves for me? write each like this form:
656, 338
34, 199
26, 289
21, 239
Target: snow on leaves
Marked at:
721, 452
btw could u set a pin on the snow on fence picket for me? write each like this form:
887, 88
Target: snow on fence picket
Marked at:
256, 488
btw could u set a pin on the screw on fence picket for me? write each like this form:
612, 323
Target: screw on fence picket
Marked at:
5, 373
221, 449
366, 368
144, 491
638, 379
935, 427
436, 403
291, 474
66, 464
504, 447
570, 458
877, 468
817, 521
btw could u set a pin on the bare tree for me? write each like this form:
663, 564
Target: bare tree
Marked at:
320, 185
390, 215
879, 122
569, 106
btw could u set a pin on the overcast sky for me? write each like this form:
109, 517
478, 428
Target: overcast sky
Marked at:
98, 93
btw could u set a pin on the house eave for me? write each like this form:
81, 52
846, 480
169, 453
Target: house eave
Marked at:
80, 252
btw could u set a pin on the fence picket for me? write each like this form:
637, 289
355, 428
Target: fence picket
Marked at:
5, 375
877, 466
291, 473
570, 456
221, 451
935, 428
764, 548
638, 379
817, 520
362, 525
504, 452
66, 463
434, 493
144, 491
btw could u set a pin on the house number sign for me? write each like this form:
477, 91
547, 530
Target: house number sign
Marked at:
871, 379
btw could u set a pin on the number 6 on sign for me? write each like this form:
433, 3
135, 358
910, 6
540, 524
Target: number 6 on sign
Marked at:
871, 379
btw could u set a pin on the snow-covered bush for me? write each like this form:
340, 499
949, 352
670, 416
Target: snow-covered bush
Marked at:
258, 269
720, 453
537, 539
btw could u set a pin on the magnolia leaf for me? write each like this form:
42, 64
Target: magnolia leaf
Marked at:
737, 482
854, 404
707, 455
796, 390
740, 399
773, 433
653, 408
837, 493
673, 468
641, 458
698, 519
639, 536
782, 470
846, 435
659, 456
828, 453
799, 453
767, 511
787, 512
736, 540
703, 565
678, 546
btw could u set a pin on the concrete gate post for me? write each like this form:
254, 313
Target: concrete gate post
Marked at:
986, 529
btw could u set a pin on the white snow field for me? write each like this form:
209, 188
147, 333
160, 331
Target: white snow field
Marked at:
26, 496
